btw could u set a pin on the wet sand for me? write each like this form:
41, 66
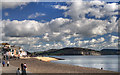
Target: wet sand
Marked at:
47, 59
37, 66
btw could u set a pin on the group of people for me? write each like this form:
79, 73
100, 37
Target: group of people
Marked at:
23, 69
3, 63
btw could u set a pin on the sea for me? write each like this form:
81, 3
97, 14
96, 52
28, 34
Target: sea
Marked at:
107, 62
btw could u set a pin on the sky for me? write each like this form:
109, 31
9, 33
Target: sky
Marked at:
40, 26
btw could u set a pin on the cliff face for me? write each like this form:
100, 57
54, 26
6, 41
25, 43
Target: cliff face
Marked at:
70, 51
110, 52
78, 51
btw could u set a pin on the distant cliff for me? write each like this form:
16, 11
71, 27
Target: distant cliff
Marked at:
78, 51
110, 52
69, 51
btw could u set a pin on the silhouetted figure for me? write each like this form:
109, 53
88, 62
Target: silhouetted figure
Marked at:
8, 63
19, 56
25, 68
3, 63
22, 67
6, 57
18, 71
101, 68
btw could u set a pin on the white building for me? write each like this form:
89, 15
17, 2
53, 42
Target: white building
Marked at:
16, 51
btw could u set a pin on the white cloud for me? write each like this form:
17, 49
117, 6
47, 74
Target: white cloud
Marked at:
93, 40
24, 28
37, 14
78, 25
26, 42
46, 37
97, 8
15, 3
114, 38
101, 39
6, 14
57, 24
97, 2
63, 29
56, 34
60, 7
50, 30
98, 43
77, 39
6, 5
111, 7
75, 10
92, 27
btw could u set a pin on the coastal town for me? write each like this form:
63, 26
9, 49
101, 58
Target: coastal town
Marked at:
10, 51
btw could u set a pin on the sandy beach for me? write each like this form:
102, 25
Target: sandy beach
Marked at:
47, 59
37, 66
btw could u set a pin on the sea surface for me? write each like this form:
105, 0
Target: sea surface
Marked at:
107, 62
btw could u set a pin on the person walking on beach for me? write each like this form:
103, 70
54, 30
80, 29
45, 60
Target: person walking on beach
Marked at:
3, 63
8, 63
18, 71
19, 56
22, 67
25, 68
4, 57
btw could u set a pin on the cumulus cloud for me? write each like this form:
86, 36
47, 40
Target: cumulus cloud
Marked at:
111, 7
87, 27
37, 14
79, 25
6, 5
98, 9
26, 42
0, 33
32, 27
98, 43
6, 14
15, 3
114, 38
60, 31
60, 7
24, 28
58, 23
95, 8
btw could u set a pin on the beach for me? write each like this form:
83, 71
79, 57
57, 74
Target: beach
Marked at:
47, 59
37, 66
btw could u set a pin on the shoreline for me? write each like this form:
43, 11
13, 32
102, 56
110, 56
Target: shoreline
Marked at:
36, 66
46, 59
